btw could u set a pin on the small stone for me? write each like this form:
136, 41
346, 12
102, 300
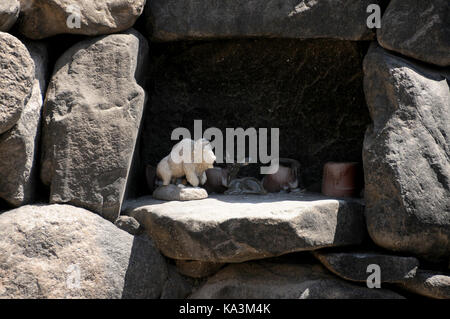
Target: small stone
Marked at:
173, 192
353, 265
128, 224
429, 284
197, 269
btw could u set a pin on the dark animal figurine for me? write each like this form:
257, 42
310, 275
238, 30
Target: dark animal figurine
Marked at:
286, 178
218, 179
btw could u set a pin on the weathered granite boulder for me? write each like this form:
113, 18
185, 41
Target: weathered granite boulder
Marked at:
92, 115
9, 12
45, 18
19, 145
418, 29
265, 280
61, 251
16, 80
311, 90
429, 283
174, 192
406, 155
236, 228
353, 265
170, 20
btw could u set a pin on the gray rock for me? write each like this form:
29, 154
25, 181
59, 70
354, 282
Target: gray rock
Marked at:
16, 80
92, 115
176, 286
18, 146
61, 251
9, 12
418, 29
353, 265
170, 20
173, 192
406, 155
128, 224
265, 280
197, 269
46, 18
429, 284
227, 228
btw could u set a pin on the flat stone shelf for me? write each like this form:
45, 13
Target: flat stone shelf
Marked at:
234, 228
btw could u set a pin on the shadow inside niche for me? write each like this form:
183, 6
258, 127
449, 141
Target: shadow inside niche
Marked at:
3, 206
147, 271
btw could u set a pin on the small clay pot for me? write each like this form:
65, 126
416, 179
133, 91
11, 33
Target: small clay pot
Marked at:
340, 179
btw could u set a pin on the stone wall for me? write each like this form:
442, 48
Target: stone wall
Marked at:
84, 108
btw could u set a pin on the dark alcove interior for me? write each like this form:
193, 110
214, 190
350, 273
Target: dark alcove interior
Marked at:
312, 90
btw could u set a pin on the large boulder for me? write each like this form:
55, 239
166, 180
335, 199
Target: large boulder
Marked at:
19, 145
45, 18
418, 29
61, 251
237, 228
174, 192
170, 20
353, 265
311, 90
406, 155
428, 283
92, 115
16, 80
267, 280
9, 12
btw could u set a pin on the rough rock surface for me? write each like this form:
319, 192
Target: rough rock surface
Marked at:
19, 145
407, 155
430, 284
197, 269
16, 80
265, 280
176, 286
128, 224
45, 18
418, 29
9, 12
173, 192
353, 265
227, 228
311, 90
170, 20
92, 116
61, 251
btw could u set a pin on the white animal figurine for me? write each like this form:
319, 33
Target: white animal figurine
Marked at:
188, 158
